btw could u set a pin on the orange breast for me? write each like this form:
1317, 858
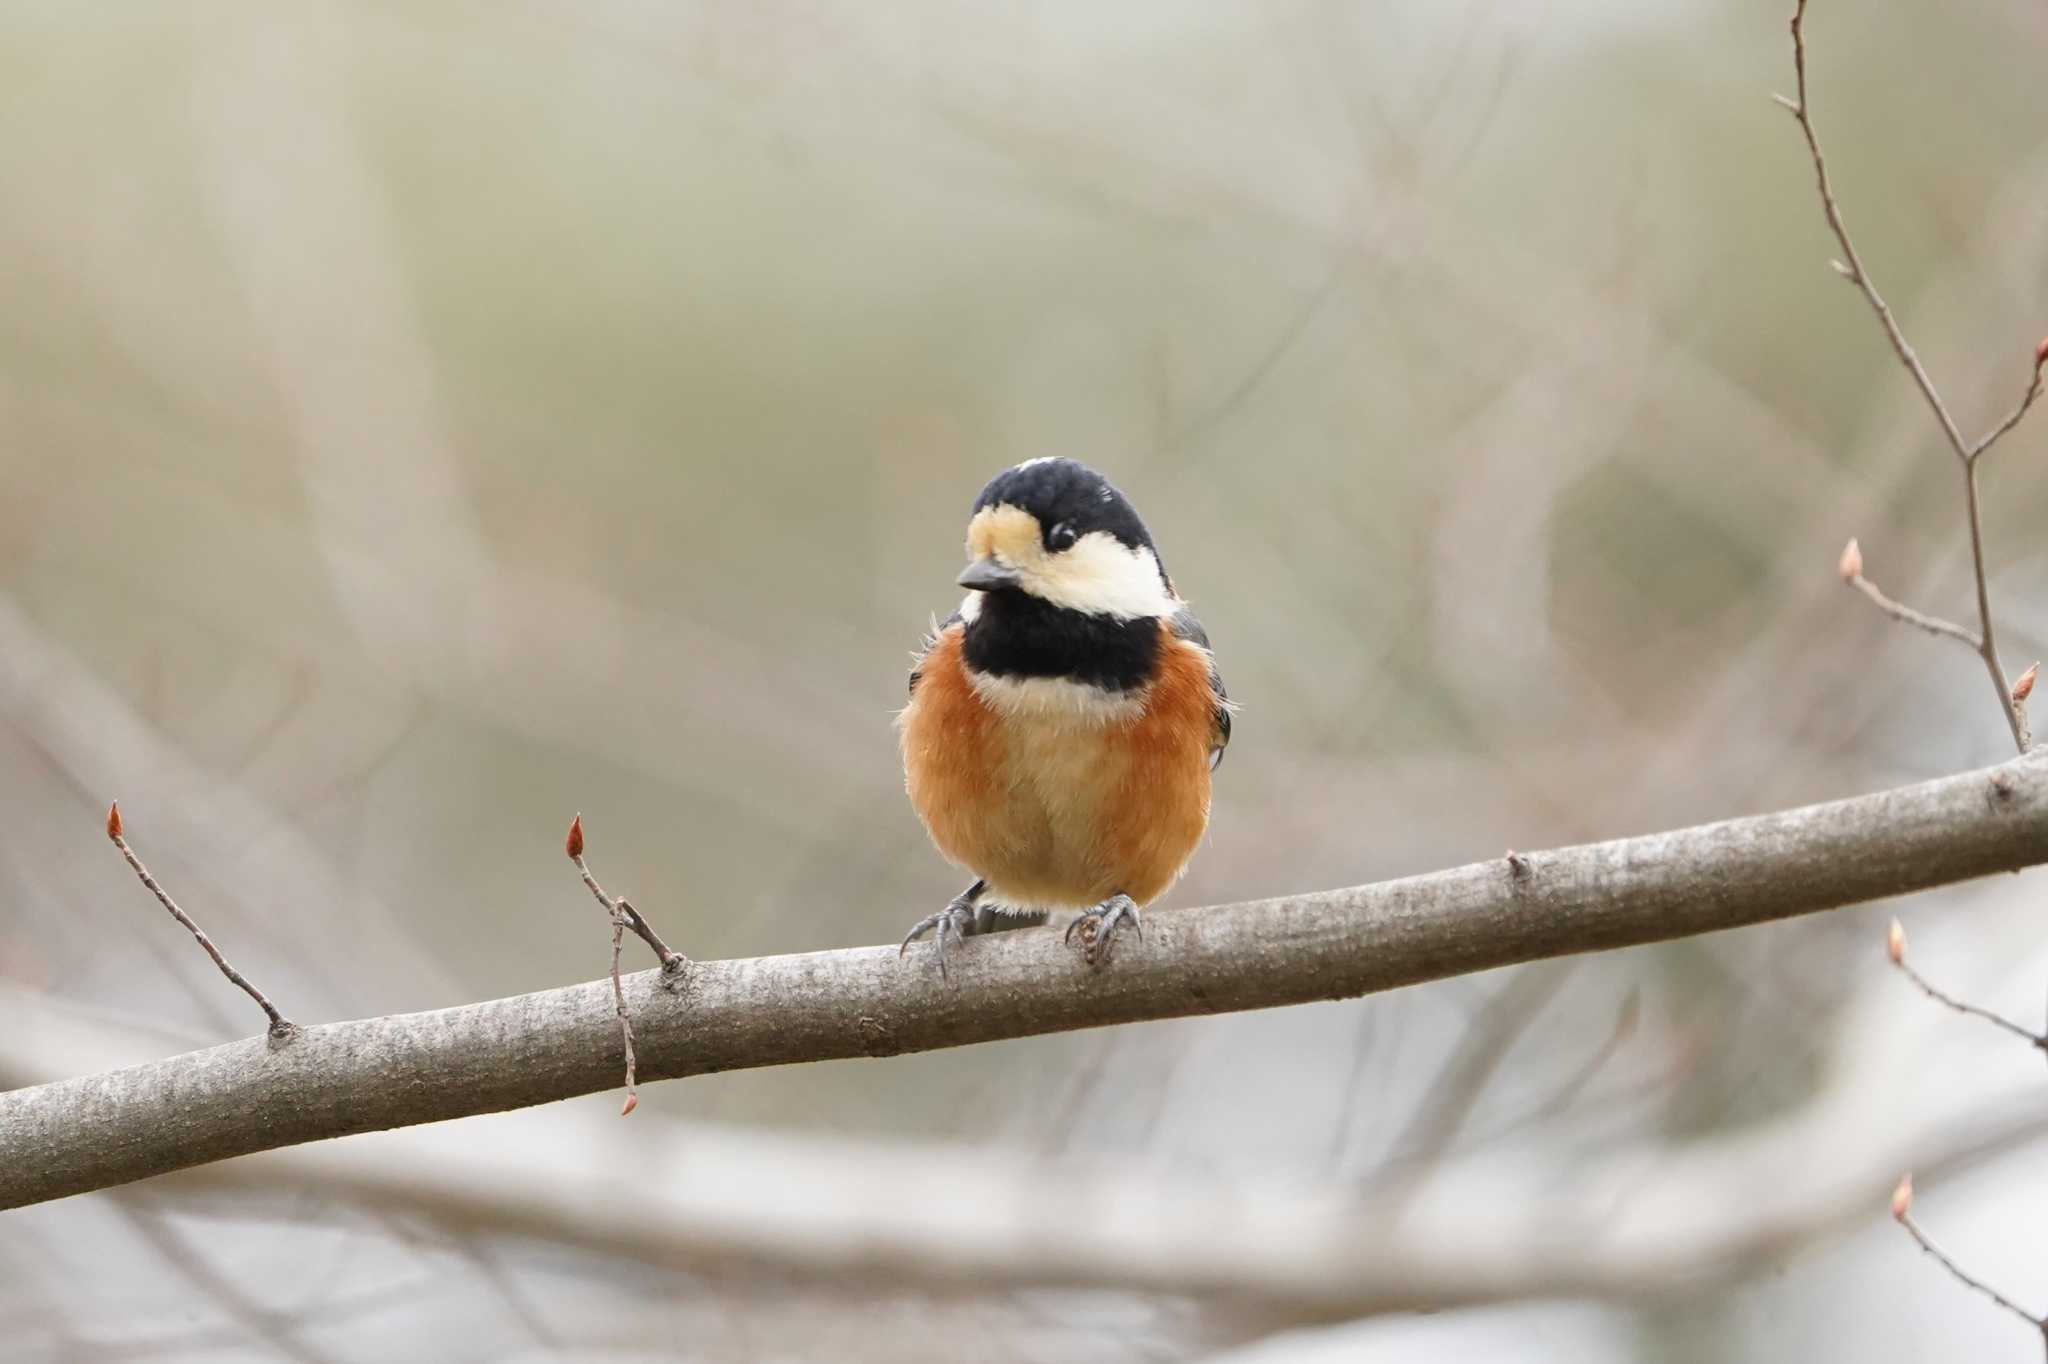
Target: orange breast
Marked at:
1059, 810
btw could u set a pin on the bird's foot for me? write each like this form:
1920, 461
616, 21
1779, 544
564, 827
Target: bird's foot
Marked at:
957, 919
1098, 926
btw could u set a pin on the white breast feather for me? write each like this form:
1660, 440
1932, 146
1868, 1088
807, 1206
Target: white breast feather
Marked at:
1057, 701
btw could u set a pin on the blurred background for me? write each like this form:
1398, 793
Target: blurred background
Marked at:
419, 423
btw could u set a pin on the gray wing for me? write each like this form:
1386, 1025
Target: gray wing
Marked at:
925, 647
1185, 626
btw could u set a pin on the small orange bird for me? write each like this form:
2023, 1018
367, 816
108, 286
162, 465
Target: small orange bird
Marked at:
1064, 721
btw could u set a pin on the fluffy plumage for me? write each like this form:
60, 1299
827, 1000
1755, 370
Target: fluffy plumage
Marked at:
1063, 723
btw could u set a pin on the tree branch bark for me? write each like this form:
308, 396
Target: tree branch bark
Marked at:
341, 1078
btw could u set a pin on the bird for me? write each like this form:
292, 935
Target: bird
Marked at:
1064, 721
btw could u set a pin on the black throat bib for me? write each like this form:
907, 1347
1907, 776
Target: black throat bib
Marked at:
1019, 635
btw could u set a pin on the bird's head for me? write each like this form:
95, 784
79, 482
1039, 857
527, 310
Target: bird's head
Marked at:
1056, 530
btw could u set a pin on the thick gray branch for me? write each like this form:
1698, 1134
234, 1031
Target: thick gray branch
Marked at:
340, 1078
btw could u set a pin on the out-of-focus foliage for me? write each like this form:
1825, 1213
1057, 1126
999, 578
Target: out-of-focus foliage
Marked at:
428, 421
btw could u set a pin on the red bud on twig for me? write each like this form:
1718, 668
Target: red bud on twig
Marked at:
1895, 943
114, 820
575, 842
632, 1102
2041, 353
1850, 566
1902, 1198
2024, 687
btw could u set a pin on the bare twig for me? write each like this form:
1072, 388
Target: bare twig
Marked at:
2012, 418
1895, 948
623, 917
625, 1015
282, 1029
1851, 266
1989, 648
1967, 452
672, 962
1920, 620
1902, 1212
341, 1078
2022, 688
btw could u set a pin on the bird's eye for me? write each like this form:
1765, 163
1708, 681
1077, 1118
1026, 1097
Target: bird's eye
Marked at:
1061, 536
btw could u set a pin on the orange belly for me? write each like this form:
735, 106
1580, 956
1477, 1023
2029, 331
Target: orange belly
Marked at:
1057, 809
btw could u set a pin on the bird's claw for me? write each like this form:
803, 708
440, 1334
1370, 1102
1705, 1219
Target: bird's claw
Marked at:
955, 920
1103, 921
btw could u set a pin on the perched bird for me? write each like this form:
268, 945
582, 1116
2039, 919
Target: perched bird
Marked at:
1064, 721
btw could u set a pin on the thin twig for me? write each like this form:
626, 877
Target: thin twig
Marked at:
1851, 267
671, 960
1902, 1212
625, 1015
1989, 650
623, 917
282, 1029
1997, 1020
2022, 688
1899, 611
2012, 418
1895, 948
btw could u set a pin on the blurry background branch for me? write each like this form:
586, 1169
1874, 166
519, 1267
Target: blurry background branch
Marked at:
335, 1079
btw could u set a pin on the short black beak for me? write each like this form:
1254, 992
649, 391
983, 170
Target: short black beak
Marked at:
986, 575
